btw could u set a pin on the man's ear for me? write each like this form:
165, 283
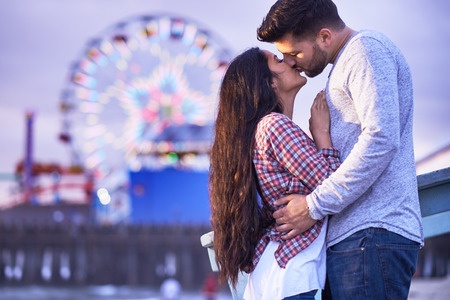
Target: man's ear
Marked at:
324, 36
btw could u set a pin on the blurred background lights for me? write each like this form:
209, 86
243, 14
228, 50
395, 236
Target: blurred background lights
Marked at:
141, 96
103, 196
172, 157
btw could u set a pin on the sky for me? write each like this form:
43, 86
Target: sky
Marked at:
39, 40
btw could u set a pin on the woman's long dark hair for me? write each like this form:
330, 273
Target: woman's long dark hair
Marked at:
246, 95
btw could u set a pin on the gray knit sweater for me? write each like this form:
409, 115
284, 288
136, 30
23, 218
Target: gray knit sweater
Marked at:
370, 96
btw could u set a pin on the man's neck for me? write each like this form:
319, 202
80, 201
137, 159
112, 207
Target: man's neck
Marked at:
342, 38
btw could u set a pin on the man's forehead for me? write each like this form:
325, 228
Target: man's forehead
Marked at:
284, 46
289, 45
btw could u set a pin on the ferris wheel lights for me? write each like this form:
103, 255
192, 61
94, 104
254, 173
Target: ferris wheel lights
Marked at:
90, 107
191, 58
94, 160
212, 65
133, 44
177, 29
135, 68
90, 147
118, 144
164, 28
96, 56
121, 65
155, 49
120, 38
122, 49
189, 34
88, 66
180, 61
93, 54
107, 48
86, 94
92, 119
143, 95
84, 80
151, 29
205, 55
64, 106
109, 138
95, 131
65, 137
201, 41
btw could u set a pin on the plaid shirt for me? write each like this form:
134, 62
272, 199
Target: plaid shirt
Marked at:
287, 162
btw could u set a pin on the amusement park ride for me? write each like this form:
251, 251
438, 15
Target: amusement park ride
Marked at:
137, 115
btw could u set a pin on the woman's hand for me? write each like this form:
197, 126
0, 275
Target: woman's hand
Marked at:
319, 122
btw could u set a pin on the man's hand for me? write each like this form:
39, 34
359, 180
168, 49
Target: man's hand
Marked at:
293, 218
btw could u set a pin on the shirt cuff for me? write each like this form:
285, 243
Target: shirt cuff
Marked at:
330, 152
313, 210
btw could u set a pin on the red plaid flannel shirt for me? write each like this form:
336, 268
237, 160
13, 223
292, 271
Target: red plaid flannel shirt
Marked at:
287, 162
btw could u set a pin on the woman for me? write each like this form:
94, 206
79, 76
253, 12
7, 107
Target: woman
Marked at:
257, 149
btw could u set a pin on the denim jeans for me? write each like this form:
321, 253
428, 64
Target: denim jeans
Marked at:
303, 296
371, 264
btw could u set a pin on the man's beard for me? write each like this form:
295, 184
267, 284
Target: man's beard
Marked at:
318, 62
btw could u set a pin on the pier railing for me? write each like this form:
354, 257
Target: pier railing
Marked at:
102, 255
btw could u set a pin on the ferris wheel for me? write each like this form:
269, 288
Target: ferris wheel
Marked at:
143, 95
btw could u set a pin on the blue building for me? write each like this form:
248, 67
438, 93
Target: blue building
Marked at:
169, 196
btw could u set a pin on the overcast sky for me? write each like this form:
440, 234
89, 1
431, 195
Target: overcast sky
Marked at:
40, 39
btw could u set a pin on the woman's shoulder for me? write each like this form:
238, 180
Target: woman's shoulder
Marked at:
279, 128
278, 123
273, 119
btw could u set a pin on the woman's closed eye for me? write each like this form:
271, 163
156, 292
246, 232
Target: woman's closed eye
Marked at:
277, 59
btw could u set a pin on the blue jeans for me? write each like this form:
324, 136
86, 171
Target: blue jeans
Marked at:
371, 264
303, 296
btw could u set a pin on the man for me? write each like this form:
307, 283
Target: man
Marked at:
375, 229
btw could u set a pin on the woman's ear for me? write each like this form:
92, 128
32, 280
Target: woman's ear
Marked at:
274, 84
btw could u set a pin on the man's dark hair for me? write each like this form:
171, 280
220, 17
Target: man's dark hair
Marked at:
301, 18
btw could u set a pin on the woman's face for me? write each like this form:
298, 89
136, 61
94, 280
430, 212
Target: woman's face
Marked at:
287, 80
